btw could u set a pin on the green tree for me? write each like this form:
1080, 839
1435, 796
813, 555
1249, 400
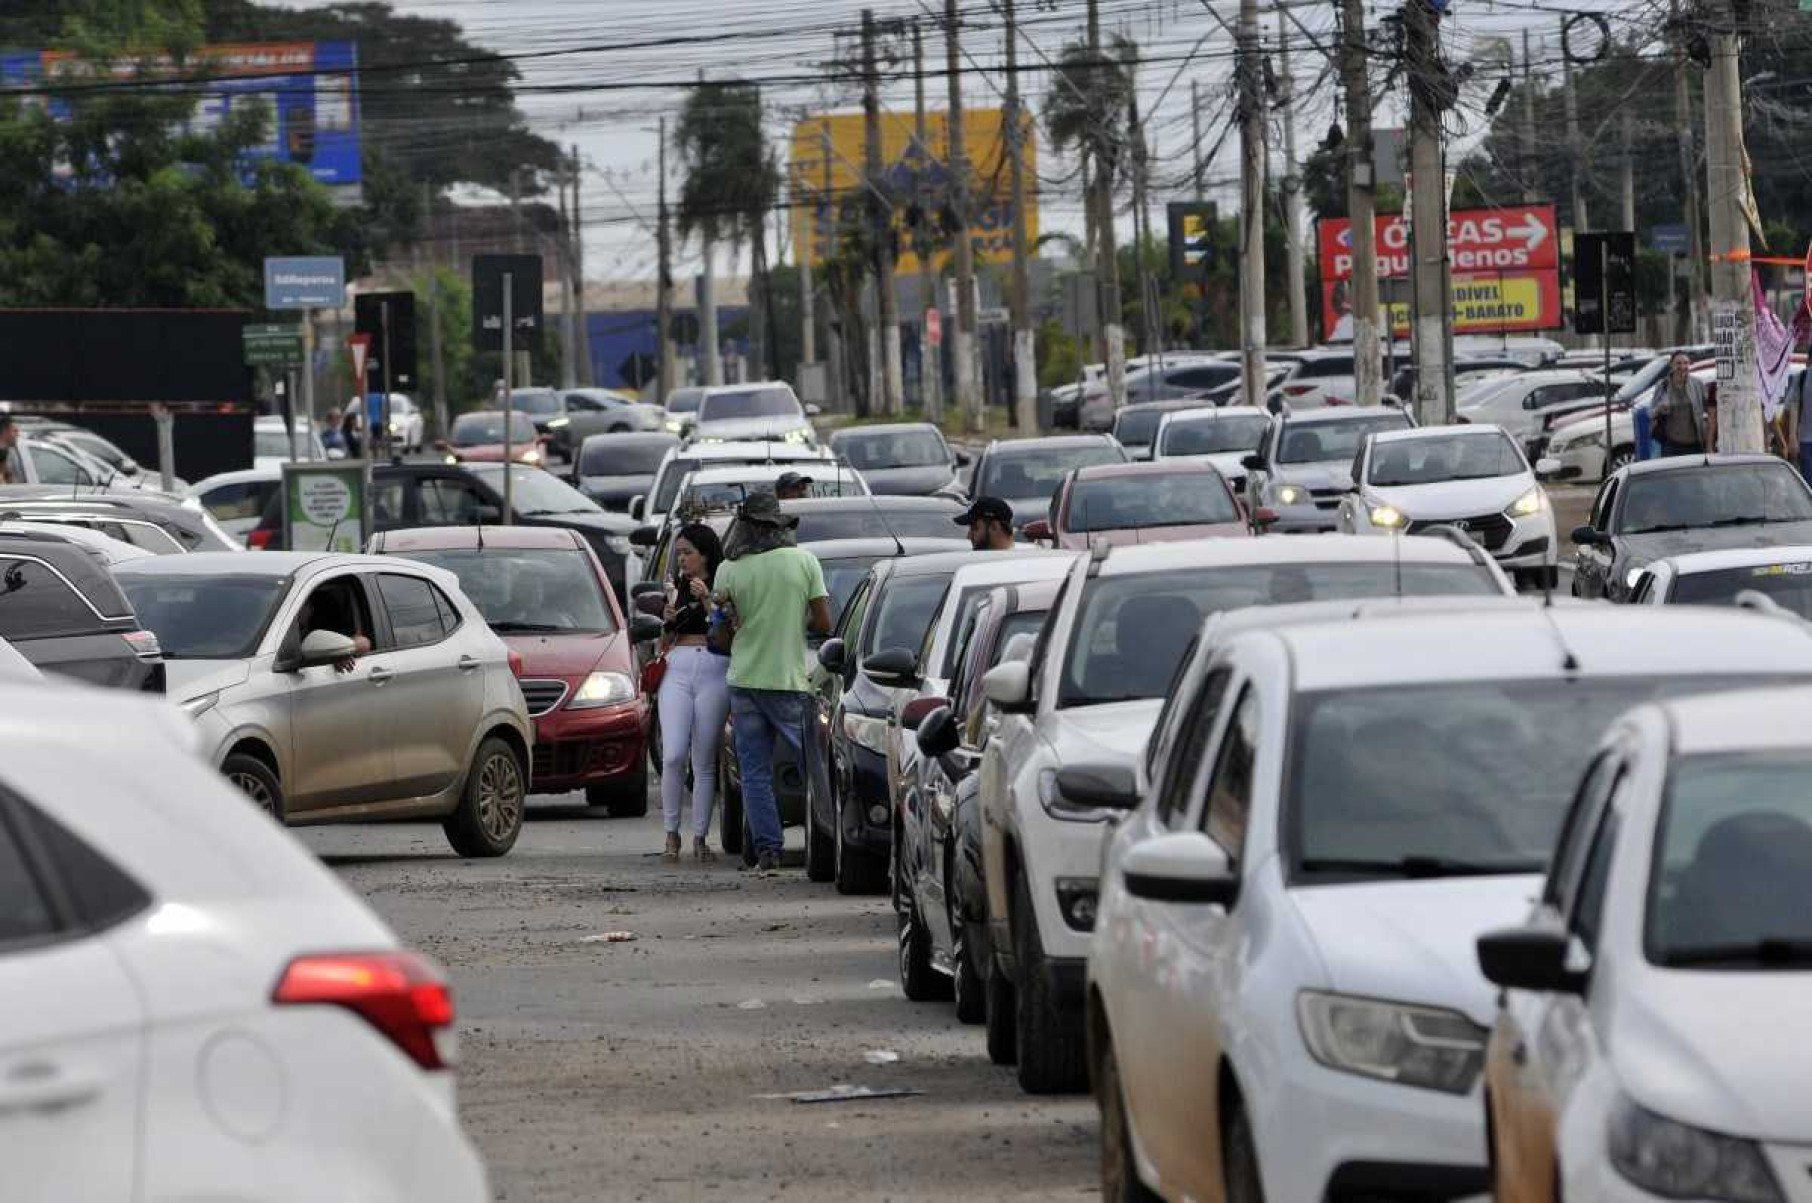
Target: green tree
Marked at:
1088, 105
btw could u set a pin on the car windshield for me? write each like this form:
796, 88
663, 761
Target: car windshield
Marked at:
1435, 458
535, 401
623, 456
535, 492
1714, 495
1210, 436
1036, 472
725, 494
841, 577
879, 521
667, 484
204, 618
1138, 423
1496, 762
1788, 584
486, 429
900, 449
528, 589
777, 402
1316, 442
1149, 499
684, 400
904, 612
1132, 629
1732, 870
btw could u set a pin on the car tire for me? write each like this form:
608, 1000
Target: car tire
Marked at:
856, 870
968, 989
1120, 1182
918, 980
998, 1011
1239, 1158
820, 857
1052, 1050
1621, 457
256, 781
624, 798
489, 817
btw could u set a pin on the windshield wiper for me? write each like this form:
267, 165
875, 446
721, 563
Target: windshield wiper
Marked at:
1418, 866
525, 628
1740, 520
1769, 950
1660, 530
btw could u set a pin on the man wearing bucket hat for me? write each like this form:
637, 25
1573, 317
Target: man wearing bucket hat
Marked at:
772, 590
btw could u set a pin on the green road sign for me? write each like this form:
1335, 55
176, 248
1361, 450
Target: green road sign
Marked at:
272, 345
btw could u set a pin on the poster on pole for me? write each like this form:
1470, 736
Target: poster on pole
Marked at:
1604, 282
325, 505
488, 272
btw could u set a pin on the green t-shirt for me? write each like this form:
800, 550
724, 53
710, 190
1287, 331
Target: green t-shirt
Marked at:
771, 592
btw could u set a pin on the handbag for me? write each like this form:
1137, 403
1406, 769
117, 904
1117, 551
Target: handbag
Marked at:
653, 673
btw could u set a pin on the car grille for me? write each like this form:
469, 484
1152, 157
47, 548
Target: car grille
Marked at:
543, 696
1487, 530
1327, 499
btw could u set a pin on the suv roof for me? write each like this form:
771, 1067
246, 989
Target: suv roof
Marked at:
81, 568
1682, 463
1415, 433
1297, 549
1333, 415
1748, 720
439, 538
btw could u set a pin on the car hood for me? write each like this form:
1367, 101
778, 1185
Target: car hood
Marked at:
1230, 464
186, 679
908, 482
1321, 474
1453, 498
1642, 549
492, 453
751, 429
1112, 733
1413, 941
1081, 541
570, 655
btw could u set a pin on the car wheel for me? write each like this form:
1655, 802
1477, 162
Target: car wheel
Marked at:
856, 871
489, 817
256, 781
820, 857
998, 1010
1621, 458
624, 798
1052, 1050
968, 988
1239, 1158
1120, 1181
918, 980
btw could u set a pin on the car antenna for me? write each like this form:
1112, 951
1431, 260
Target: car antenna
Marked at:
481, 536
899, 546
1569, 663
1396, 543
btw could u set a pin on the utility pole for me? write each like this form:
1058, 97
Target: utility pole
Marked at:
578, 262
1368, 359
1197, 175
569, 368
969, 400
1581, 221
1433, 303
436, 353
807, 254
836, 325
1627, 169
1689, 178
1726, 186
931, 376
1025, 347
1149, 343
1113, 335
1252, 206
1530, 172
663, 303
1291, 183
880, 223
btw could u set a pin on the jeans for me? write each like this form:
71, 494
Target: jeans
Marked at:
757, 716
1668, 449
694, 698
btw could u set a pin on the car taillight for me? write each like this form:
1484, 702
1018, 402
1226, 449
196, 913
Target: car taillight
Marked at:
1336, 399
401, 994
515, 663
1297, 390
145, 644
259, 540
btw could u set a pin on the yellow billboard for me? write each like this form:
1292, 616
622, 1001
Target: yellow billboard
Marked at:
819, 185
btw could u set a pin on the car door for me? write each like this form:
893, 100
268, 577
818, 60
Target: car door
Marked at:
338, 721
434, 692
1592, 564
71, 1033
826, 731
452, 501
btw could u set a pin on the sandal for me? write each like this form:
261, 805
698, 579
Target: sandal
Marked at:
701, 851
671, 854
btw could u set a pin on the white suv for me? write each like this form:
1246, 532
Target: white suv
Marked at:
1283, 997
1089, 693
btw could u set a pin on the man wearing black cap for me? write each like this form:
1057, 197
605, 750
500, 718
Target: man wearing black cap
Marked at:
990, 523
792, 486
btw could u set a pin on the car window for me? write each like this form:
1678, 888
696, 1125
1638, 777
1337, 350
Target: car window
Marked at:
1186, 757
853, 612
523, 590
147, 535
1576, 828
906, 609
102, 893
414, 614
387, 503
1235, 769
1787, 583
1714, 495
338, 605
221, 617
1209, 436
578, 403
1150, 499
37, 603
1588, 913
1434, 458
56, 468
25, 915
237, 502
447, 502
1605, 503
1315, 442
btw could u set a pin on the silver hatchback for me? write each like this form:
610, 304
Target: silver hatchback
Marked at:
336, 688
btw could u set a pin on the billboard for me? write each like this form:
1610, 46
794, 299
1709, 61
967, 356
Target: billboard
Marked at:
1506, 269
817, 194
309, 91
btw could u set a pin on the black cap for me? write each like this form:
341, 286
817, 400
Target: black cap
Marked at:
792, 480
986, 507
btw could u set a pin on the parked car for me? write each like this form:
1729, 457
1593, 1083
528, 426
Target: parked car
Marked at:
61, 610
276, 987
1779, 575
105, 548
1025, 473
743, 412
1305, 465
124, 469
1113, 504
1222, 437
543, 591
478, 438
1645, 1044
274, 445
264, 653
614, 469
1089, 695
1472, 478
901, 457
236, 500
1658, 508
1136, 426
1320, 377
846, 561
44, 460
1517, 403
144, 518
1283, 994
1160, 378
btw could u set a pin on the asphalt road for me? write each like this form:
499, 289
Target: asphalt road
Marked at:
646, 1069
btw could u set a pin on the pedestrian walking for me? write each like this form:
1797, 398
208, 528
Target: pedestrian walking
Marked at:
768, 595
990, 523
694, 695
1683, 423
1796, 421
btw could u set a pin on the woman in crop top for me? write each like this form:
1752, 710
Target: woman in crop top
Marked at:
694, 699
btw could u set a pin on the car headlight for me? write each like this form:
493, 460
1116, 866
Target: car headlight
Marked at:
1593, 438
1675, 1161
603, 689
531, 457
195, 707
618, 544
798, 436
1532, 502
452, 459
1058, 807
673, 425
1291, 495
559, 423
1395, 1042
1632, 576
1389, 517
866, 731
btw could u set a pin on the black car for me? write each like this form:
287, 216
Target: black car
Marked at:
62, 610
156, 522
1668, 507
614, 469
1025, 473
902, 457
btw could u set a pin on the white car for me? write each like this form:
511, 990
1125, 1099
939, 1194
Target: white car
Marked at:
727, 486
191, 1005
1324, 376
1648, 1043
51, 461
1284, 997
1473, 478
1090, 692
407, 425
744, 412
1777, 578
237, 499
426, 721
1305, 465
1518, 403
109, 550
1221, 437
273, 446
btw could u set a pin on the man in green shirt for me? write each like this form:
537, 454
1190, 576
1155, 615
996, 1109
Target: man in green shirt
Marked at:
772, 594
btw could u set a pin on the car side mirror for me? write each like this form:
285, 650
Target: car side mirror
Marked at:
1547, 468
1585, 536
324, 647
486, 515
833, 656
916, 711
636, 505
894, 668
1530, 958
1185, 866
1254, 463
813, 410
937, 732
652, 604
964, 459
1009, 686
645, 628
641, 588
1099, 786
644, 536
1264, 517
1037, 529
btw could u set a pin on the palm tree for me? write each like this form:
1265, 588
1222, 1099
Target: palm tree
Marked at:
1088, 105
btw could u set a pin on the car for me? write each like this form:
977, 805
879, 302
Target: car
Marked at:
61, 609
901, 457
543, 591
275, 444
1576, 439
846, 561
1283, 998
407, 426
164, 950
1779, 576
478, 438
237, 499
759, 411
1025, 473
46, 460
1657, 508
681, 406
1154, 502
1320, 377
1466, 373
1159, 378
567, 417
940, 903
105, 548
1645, 1037
1517, 403
1089, 694
124, 469
1222, 437
1305, 465
614, 469
1472, 478
262, 653
1135, 426
715, 487
159, 524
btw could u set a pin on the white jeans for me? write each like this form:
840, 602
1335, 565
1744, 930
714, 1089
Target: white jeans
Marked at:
694, 702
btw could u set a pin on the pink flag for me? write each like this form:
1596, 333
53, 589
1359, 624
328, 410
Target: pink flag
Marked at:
1773, 350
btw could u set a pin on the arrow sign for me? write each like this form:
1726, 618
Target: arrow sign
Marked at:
1532, 231
360, 345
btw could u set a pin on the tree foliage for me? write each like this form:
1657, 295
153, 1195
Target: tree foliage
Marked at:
1089, 102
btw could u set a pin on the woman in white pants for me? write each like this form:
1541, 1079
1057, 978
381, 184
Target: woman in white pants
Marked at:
694, 698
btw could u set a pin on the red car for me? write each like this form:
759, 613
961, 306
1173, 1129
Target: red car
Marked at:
477, 438
1153, 502
543, 591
